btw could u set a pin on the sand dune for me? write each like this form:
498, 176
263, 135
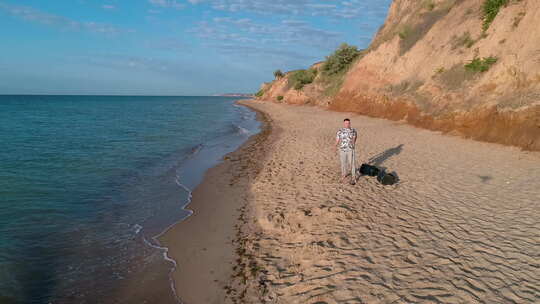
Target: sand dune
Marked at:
461, 226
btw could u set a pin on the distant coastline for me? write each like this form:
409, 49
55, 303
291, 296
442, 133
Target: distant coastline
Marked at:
235, 95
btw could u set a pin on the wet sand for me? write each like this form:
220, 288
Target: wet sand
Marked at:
461, 226
202, 245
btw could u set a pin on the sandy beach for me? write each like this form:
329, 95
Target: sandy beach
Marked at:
273, 224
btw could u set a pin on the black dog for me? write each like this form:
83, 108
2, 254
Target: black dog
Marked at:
369, 170
383, 177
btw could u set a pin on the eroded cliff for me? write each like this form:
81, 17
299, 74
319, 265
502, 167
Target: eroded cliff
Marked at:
449, 65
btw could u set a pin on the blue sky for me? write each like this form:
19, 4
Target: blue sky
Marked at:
171, 47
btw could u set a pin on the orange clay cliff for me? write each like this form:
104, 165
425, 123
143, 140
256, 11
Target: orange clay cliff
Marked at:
460, 67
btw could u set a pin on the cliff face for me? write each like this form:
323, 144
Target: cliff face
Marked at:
435, 64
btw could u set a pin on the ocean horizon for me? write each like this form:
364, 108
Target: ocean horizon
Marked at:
124, 95
89, 181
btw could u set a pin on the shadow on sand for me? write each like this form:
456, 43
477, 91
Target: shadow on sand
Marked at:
485, 178
380, 158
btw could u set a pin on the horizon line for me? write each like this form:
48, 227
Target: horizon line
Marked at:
127, 95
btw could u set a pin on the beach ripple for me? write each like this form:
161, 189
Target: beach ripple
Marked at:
461, 226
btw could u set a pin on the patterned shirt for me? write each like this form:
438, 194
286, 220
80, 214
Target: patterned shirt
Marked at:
346, 139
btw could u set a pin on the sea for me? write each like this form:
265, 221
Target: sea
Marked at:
87, 183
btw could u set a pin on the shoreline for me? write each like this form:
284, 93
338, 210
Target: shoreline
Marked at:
202, 244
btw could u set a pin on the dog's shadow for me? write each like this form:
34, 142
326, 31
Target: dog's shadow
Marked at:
380, 158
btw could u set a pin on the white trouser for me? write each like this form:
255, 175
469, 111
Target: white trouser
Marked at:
347, 162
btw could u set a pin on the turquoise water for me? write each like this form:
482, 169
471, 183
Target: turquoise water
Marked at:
87, 181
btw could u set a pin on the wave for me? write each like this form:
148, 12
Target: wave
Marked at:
240, 130
234, 131
153, 241
194, 150
137, 228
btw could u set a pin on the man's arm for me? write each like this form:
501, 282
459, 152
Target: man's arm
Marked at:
337, 143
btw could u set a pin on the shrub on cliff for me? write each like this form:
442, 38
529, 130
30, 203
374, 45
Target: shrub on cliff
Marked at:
340, 59
405, 32
259, 94
298, 79
428, 5
481, 65
464, 40
490, 9
278, 74
279, 98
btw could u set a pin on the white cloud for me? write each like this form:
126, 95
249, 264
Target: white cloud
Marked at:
286, 33
257, 51
167, 3
33, 15
336, 9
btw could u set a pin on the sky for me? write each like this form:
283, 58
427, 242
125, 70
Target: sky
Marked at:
171, 47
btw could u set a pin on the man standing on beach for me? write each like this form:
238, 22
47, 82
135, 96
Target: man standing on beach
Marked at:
346, 141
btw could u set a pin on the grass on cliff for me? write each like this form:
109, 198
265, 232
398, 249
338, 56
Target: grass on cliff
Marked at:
278, 74
336, 67
464, 40
298, 79
490, 9
481, 64
332, 71
260, 93
456, 76
517, 19
341, 59
429, 5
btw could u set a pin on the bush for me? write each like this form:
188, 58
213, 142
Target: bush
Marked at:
440, 70
405, 32
298, 79
259, 94
490, 9
464, 40
278, 74
481, 65
340, 59
280, 98
429, 5
518, 18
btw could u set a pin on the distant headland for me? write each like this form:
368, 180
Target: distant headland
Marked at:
235, 95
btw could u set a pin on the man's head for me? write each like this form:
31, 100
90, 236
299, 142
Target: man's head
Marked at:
347, 123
